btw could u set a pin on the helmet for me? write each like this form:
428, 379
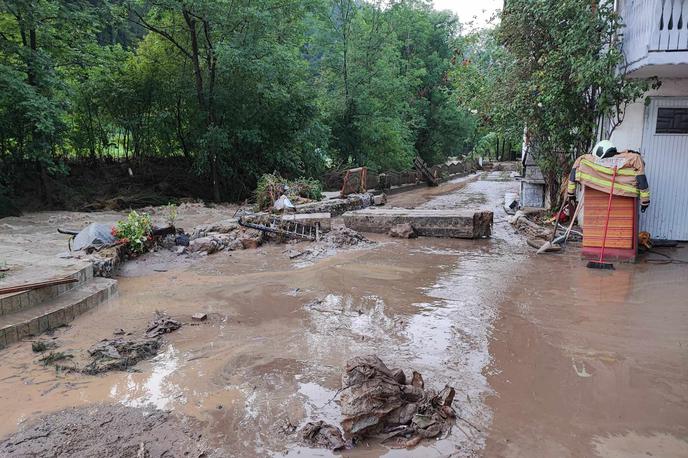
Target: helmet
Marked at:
603, 149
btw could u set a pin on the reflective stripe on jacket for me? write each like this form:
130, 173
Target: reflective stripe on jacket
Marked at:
597, 174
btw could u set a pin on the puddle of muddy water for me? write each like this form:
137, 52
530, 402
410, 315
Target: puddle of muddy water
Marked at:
274, 352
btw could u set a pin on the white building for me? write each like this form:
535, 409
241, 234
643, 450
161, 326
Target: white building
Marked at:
655, 43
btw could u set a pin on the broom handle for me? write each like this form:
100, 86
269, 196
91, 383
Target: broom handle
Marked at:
609, 209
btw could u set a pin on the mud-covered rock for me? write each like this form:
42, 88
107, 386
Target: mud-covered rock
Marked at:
403, 231
319, 434
161, 324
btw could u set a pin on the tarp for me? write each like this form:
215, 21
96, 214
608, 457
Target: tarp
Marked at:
94, 235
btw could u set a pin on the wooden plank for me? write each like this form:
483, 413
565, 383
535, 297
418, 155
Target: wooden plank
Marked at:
37, 285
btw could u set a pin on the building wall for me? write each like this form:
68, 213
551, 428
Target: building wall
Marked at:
629, 134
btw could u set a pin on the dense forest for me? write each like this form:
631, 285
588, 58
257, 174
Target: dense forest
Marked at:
208, 95
231, 88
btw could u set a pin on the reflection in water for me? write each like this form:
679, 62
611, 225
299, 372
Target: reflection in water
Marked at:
155, 390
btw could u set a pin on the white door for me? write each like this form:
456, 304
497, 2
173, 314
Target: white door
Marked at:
665, 150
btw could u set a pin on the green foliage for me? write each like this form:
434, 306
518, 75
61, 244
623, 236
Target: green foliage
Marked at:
237, 88
270, 187
135, 231
563, 76
171, 212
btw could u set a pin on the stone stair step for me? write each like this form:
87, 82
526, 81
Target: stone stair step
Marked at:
17, 302
55, 312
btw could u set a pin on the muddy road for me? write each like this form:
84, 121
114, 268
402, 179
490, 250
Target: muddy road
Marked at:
548, 358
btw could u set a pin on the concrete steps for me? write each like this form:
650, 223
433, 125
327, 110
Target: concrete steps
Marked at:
34, 312
15, 302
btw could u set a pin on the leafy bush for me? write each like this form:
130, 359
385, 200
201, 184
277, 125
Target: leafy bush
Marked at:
270, 187
171, 214
135, 231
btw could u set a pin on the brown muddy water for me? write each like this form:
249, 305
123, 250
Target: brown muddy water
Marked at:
547, 357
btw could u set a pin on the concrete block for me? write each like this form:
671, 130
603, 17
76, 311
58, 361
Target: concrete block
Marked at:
465, 224
11, 335
34, 327
23, 330
43, 323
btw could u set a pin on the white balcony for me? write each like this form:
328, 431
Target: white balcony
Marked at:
655, 39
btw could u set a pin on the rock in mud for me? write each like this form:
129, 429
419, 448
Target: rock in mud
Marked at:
107, 431
319, 434
343, 237
403, 231
161, 324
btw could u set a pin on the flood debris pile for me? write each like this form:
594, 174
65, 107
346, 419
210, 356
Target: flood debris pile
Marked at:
523, 224
383, 403
106, 431
318, 434
338, 238
222, 236
122, 352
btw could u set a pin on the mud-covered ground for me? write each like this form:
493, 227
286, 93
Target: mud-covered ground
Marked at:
548, 358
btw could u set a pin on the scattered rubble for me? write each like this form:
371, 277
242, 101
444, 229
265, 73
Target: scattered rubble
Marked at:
120, 353
39, 346
105, 431
380, 402
329, 243
521, 222
403, 231
161, 324
319, 434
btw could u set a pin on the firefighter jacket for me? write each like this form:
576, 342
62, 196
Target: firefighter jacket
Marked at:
597, 173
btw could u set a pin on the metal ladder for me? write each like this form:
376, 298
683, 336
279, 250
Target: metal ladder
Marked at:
288, 229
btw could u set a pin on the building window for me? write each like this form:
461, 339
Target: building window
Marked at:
672, 121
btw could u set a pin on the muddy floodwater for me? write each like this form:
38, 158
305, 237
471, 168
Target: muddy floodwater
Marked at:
547, 357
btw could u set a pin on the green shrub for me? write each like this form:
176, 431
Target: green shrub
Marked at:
135, 231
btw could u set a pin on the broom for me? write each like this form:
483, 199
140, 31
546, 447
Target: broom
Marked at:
601, 264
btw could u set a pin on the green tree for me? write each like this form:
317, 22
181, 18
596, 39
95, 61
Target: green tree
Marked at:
565, 75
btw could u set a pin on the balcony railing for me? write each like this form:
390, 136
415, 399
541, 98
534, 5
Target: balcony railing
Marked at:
671, 33
656, 31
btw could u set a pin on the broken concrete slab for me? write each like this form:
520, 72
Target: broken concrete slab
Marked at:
337, 207
465, 224
311, 219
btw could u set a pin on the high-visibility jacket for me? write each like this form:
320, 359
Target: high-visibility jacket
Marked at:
597, 173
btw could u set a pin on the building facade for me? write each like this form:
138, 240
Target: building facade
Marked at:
655, 43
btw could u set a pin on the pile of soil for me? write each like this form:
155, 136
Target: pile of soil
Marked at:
107, 431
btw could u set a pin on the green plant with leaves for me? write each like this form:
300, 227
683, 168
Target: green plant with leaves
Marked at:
171, 213
566, 74
135, 231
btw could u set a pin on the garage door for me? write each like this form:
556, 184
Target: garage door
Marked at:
665, 150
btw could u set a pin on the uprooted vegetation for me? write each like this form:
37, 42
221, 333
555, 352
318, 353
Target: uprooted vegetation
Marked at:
120, 353
270, 187
383, 403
